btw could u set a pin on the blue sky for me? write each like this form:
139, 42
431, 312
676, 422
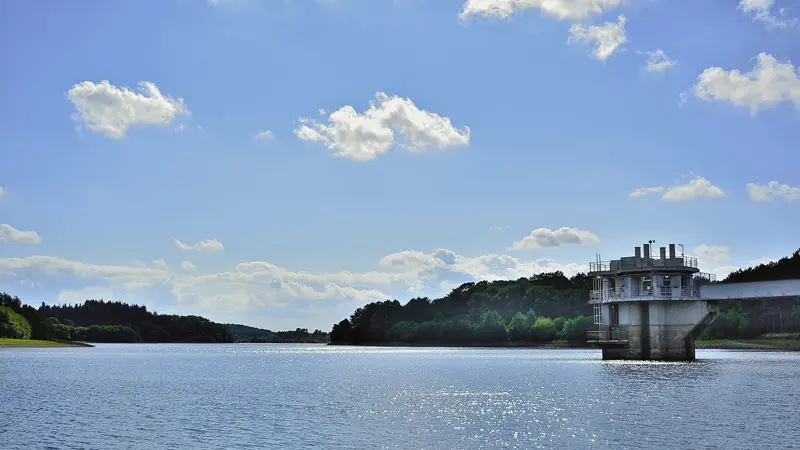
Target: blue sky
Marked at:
505, 138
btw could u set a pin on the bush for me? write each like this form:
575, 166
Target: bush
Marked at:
575, 329
13, 325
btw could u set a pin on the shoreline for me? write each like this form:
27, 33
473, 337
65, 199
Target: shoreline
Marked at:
38, 343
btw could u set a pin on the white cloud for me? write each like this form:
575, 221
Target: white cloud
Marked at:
608, 37
110, 109
10, 234
761, 11
642, 191
499, 227
547, 238
768, 84
772, 190
658, 61
188, 265
263, 135
562, 9
199, 246
695, 188
364, 136
715, 253
3, 192
160, 264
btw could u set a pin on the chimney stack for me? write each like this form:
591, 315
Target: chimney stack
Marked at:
663, 253
646, 251
637, 252
671, 251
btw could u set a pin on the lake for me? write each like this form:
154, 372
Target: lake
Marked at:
238, 396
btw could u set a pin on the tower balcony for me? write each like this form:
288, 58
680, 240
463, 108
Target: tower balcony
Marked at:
598, 296
614, 336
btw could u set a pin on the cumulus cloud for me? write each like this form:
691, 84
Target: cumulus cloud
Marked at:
9, 234
160, 264
607, 37
695, 188
266, 290
109, 109
658, 61
188, 265
200, 246
761, 11
264, 135
364, 136
768, 84
546, 238
561, 9
773, 190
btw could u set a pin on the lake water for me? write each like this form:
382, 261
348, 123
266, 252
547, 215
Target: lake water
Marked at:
315, 396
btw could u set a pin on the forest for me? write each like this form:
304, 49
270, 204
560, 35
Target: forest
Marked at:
544, 308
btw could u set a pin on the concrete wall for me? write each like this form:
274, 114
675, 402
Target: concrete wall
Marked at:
669, 335
751, 290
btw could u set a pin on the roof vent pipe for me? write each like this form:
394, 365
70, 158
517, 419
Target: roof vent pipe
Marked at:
663, 253
646, 251
637, 252
671, 251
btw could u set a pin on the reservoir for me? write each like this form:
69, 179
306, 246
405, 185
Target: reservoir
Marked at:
239, 396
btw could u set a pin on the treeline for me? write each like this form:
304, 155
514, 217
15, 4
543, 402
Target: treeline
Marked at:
244, 333
101, 321
751, 318
539, 309
543, 308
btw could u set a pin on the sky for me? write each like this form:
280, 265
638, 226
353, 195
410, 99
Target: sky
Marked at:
279, 163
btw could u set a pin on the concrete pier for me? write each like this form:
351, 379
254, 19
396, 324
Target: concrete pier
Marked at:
649, 308
654, 308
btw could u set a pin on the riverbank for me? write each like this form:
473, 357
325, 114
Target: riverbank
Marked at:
6, 342
756, 344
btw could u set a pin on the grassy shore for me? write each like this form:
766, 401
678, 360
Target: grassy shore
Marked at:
6, 342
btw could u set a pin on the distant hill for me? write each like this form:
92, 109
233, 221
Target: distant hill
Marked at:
244, 333
101, 321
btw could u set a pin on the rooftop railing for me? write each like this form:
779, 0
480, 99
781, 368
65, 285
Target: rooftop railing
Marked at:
633, 263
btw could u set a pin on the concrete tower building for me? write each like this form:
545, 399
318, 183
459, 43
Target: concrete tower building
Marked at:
649, 306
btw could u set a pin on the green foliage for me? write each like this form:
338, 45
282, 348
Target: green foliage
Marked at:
491, 328
543, 330
13, 325
519, 328
244, 333
575, 329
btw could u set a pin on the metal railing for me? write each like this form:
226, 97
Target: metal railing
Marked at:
642, 263
662, 292
612, 335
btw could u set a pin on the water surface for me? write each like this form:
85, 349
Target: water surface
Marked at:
238, 396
